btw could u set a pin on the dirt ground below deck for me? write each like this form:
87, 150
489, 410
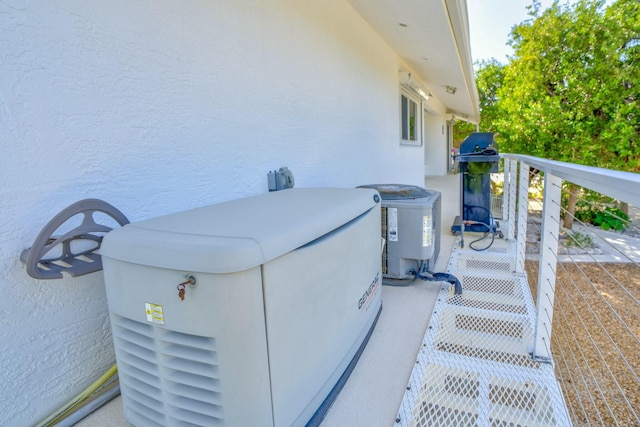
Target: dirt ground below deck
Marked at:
595, 347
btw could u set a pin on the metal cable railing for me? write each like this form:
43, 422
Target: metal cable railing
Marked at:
595, 340
594, 348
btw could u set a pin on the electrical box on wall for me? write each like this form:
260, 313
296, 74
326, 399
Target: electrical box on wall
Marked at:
246, 312
281, 179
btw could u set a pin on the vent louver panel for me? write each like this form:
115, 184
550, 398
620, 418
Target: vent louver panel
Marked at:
189, 392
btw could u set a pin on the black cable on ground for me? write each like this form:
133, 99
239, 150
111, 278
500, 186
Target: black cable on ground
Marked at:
490, 232
426, 275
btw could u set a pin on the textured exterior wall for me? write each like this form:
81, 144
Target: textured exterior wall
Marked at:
160, 106
435, 145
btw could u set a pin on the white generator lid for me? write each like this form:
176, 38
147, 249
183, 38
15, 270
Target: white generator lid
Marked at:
239, 234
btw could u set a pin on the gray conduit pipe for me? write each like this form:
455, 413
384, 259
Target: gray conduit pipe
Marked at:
106, 396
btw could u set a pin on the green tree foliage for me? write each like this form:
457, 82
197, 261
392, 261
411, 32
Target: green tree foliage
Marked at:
624, 102
460, 131
551, 103
488, 80
571, 90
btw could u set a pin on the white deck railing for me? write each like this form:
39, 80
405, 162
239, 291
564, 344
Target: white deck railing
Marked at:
600, 378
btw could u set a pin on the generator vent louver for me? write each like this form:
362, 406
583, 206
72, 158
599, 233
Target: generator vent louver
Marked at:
410, 225
189, 382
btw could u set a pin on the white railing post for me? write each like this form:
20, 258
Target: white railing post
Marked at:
547, 267
506, 169
523, 212
513, 188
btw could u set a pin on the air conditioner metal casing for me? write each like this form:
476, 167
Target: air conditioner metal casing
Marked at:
410, 223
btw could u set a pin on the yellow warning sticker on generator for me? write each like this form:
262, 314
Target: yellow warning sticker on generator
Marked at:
154, 313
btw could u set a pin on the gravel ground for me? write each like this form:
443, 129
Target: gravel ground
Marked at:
597, 360
595, 343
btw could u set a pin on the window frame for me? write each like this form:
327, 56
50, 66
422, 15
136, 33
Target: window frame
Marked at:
405, 119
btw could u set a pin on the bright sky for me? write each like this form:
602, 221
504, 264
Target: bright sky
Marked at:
490, 23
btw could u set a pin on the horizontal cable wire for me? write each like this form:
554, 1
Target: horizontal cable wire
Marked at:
627, 221
573, 381
579, 366
595, 260
585, 366
613, 310
595, 345
594, 230
604, 329
599, 235
558, 350
606, 332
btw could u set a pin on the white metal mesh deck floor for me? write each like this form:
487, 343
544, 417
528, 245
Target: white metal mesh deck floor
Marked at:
474, 366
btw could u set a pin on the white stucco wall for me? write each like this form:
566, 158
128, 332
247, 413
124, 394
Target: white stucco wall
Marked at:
160, 106
435, 144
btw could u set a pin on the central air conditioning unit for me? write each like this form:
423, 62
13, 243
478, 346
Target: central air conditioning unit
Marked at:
411, 227
245, 313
